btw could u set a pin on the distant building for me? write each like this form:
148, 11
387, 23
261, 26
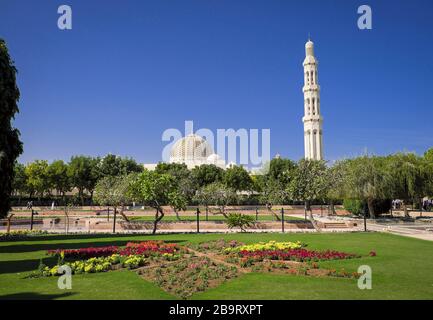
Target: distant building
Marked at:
193, 151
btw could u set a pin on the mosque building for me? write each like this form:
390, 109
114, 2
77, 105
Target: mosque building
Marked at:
193, 150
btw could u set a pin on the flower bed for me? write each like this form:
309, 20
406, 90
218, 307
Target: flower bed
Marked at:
146, 248
185, 277
300, 255
266, 246
149, 248
93, 265
216, 246
85, 253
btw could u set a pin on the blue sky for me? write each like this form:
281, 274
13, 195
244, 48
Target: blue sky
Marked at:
128, 70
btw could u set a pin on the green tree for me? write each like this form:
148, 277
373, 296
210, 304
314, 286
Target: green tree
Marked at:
58, 177
281, 169
217, 194
206, 174
428, 155
309, 182
238, 220
237, 178
274, 183
182, 178
19, 185
336, 175
156, 190
273, 192
112, 165
366, 178
408, 178
37, 177
10, 145
114, 191
84, 174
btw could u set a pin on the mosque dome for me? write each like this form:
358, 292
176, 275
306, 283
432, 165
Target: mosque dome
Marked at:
213, 158
191, 148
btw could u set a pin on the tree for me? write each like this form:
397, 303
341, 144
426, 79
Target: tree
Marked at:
274, 183
112, 165
238, 179
182, 178
58, 177
19, 185
428, 155
238, 220
366, 179
10, 145
336, 175
37, 177
281, 169
217, 194
309, 182
273, 192
84, 174
408, 178
428, 163
114, 191
206, 174
155, 190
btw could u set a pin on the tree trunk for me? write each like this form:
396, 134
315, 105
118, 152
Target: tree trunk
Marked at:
223, 212
8, 230
122, 213
332, 208
114, 220
371, 209
158, 217
269, 208
177, 214
406, 212
310, 215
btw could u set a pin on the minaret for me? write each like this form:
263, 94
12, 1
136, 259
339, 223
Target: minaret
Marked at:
313, 134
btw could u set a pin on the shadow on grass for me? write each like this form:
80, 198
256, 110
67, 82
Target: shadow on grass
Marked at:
21, 248
76, 237
18, 266
35, 296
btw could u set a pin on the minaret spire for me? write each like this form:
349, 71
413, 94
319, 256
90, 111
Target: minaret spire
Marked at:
313, 133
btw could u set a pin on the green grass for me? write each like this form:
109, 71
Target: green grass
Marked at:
402, 269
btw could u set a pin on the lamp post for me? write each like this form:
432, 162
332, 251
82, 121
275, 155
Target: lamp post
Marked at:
114, 220
30, 206
31, 219
198, 220
257, 213
365, 220
282, 220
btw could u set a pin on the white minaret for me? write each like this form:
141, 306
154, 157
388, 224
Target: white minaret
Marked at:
313, 134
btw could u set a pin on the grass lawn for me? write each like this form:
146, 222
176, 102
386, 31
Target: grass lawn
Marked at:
402, 269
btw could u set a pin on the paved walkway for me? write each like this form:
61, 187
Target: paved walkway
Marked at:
418, 231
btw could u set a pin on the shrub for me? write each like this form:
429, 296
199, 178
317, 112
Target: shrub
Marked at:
354, 206
239, 220
358, 207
